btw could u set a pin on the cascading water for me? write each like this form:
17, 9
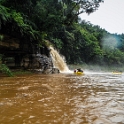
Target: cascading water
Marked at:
58, 61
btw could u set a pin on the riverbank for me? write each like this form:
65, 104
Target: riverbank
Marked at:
85, 67
16, 72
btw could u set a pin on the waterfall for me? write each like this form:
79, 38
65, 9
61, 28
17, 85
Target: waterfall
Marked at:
58, 61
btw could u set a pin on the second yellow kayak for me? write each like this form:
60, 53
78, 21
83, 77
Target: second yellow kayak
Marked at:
114, 72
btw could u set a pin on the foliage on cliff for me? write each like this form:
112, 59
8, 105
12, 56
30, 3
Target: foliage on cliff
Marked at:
35, 21
4, 68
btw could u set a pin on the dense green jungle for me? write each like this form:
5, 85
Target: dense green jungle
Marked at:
57, 23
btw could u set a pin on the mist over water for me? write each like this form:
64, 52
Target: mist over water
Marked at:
110, 42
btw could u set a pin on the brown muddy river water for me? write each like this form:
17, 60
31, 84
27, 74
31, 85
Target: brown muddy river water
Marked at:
94, 98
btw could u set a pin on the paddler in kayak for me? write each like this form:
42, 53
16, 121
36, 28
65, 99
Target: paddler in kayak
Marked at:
78, 71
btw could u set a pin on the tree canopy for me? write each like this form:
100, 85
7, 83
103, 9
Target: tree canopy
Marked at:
57, 21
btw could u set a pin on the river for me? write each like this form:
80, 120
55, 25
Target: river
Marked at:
65, 98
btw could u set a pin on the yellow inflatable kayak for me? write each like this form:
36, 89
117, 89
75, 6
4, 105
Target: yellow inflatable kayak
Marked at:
79, 73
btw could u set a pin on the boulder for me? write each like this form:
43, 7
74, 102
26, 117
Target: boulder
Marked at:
39, 63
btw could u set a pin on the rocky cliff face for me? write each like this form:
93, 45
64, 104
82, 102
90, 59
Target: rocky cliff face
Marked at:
39, 63
26, 56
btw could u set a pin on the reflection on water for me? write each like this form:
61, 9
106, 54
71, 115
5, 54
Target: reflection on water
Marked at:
95, 98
